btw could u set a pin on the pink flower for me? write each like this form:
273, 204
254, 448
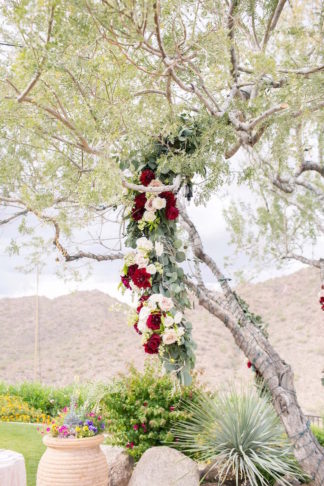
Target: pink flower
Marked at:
48, 429
171, 409
136, 427
65, 409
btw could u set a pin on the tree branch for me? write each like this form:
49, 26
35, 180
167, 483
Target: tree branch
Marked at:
302, 259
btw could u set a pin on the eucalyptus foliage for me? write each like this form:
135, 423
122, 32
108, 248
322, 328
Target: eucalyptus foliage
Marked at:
241, 435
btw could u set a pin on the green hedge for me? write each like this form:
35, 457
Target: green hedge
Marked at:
45, 398
319, 434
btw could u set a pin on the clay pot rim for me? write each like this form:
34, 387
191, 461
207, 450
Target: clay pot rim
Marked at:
60, 443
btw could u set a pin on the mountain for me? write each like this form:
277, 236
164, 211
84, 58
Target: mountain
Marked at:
86, 334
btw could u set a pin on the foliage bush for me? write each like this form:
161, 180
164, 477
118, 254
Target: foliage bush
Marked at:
142, 408
241, 435
319, 434
48, 399
14, 409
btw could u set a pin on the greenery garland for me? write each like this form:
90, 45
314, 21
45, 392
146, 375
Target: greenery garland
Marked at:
152, 268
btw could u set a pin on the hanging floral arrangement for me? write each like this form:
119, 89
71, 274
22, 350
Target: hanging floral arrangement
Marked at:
321, 297
152, 270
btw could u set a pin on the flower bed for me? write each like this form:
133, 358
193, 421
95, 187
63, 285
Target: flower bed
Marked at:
14, 409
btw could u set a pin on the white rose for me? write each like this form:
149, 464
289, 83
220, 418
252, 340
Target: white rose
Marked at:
165, 303
159, 248
129, 258
151, 269
151, 305
178, 317
180, 331
149, 205
158, 203
149, 216
144, 313
168, 321
141, 326
170, 336
154, 298
140, 260
144, 244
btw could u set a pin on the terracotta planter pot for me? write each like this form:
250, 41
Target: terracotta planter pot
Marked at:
73, 462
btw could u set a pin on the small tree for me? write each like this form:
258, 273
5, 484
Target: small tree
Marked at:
87, 85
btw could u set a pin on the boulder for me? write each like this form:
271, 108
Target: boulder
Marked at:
163, 466
120, 465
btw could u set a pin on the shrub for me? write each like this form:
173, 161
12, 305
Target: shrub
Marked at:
142, 407
241, 434
319, 434
45, 398
14, 409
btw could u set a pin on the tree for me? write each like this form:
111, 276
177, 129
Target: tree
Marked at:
87, 85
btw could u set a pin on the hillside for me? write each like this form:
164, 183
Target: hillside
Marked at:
86, 334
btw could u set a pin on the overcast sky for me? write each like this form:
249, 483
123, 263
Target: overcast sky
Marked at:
105, 275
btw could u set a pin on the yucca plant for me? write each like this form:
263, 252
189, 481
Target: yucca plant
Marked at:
241, 435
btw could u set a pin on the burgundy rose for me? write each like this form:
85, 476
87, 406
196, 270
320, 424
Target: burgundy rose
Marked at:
141, 278
137, 213
131, 270
171, 212
154, 321
152, 345
144, 297
125, 281
137, 330
140, 200
147, 176
249, 364
170, 198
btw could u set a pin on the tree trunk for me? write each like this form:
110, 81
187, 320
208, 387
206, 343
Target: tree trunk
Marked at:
276, 373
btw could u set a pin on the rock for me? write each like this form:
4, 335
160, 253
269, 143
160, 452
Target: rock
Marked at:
163, 466
120, 465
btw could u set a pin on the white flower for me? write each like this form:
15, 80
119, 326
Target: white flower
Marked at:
155, 298
144, 313
141, 326
168, 321
178, 317
158, 203
149, 216
170, 336
140, 260
165, 303
149, 205
144, 244
151, 269
151, 305
180, 331
159, 248
129, 258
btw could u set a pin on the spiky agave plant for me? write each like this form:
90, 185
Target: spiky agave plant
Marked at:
241, 435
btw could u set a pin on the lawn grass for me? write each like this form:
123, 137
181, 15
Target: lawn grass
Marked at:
25, 439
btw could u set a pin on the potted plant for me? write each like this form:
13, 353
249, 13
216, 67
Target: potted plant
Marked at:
73, 456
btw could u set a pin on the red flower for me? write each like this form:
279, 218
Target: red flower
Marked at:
144, 428
249, 364
171, 212
136, 427
141, 278
322, 300
152, 345
137, 213
170, 198
147, 176
137, 330
153, 321
171, 409
125, 281
130, 445
145, 404
131, 270
140, 200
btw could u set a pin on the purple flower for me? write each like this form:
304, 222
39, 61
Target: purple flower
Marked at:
89, 422
102, 425
81, 424
93, 429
